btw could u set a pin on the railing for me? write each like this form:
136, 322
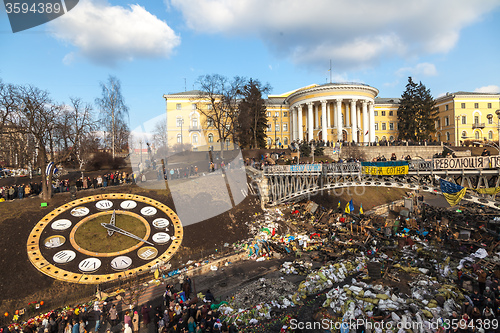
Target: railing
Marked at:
478, 125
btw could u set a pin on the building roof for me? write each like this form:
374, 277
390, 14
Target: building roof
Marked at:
387, 100
187, 93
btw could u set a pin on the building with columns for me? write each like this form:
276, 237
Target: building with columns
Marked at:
339, 112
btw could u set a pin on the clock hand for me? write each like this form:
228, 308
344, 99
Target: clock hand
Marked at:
109, 226
112, 222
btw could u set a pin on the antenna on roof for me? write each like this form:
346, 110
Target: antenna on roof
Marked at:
330, 70
185, 84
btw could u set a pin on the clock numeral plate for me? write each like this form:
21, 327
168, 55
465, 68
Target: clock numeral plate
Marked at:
62, 224
161, 237
128, 204
80, 211
54, 241
148, 211
64, 256
103, 204
89, 265
161, 223
147, 253
121, 263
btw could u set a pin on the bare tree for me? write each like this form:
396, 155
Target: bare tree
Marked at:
38, 116
221, 110
113, 110
160, 137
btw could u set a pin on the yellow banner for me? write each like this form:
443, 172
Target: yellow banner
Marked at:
385, 170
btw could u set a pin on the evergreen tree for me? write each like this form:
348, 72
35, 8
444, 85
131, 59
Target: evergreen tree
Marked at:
252, 118
417, 112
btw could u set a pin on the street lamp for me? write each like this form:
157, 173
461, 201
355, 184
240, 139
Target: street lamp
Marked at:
497, 112
181, 121
275, 119
457, 119
493, 145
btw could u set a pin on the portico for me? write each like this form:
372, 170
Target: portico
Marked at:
325, 112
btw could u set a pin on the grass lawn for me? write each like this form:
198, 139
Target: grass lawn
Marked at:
92, 236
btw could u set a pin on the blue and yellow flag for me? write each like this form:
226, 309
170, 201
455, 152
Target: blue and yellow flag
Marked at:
489, 190
452, 192
361, 209
338, 206
387, 168
347, 208
351, 206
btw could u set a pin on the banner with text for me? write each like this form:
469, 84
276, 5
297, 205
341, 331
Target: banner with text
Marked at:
388, 168
473, 162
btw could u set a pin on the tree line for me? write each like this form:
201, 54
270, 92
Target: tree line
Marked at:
36, 130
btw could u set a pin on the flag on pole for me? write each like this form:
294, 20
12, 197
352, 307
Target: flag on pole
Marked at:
366, 132
351, 206
347, 208
361, 209
338, 206
452, 192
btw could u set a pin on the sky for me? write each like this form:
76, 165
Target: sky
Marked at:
161, 47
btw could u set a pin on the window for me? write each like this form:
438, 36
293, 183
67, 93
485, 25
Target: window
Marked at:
464, 134
391, 126
269, 127
464, 120
438, 123
376, 139
489, 105
447, 136
210, 138
463, 106
490, 135
210, 122
376, 126
277, 127
446, 107
490, 120
269, 142
383, 113
179, 138
476, 105
209, 106
285, 127
383, 127
269, 113
195, 122
193, 106
180, 121
277, 114
476, 119
375, 113
285, 140
446, 121
285, 114
476, 135
384, 138
391, 113
391, 138
178, 106
397, 126
195, 139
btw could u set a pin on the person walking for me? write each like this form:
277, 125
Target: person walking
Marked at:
113, 316
135, 322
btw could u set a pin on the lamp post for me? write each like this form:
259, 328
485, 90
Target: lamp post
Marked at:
275, 144
140, 142
458, 138
181, 122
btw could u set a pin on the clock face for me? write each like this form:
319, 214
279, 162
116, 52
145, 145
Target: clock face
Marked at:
104, 237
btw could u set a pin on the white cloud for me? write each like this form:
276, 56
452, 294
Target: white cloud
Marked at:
107, 34
353, 33
422, 69
488, 89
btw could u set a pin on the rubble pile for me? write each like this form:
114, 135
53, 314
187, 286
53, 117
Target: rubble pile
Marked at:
413, 268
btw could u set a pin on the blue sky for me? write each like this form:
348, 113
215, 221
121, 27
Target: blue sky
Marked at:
153, 47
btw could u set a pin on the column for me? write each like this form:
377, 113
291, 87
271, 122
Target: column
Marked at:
366, 137
358, 119
324, 127
354, 125
339, 119
316, 116
335, 117
299, 123
294, 125
372, 122
328, 118
310, 124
